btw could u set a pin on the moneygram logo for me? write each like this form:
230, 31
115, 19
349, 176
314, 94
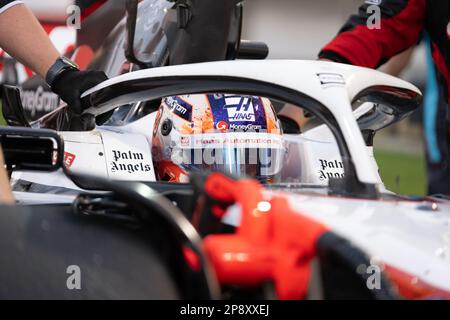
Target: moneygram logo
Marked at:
222, 126
175, 106
39, 100
179, 107
240, 109
245, 127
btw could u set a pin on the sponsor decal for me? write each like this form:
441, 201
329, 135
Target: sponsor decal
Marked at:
128, 157
39, 101
237, 113
240, 109
185, 141
129, 161
236, 141
331, 79
244, 127
54, 157
330, 169
179, 107
233, 139
69, 158
222, 126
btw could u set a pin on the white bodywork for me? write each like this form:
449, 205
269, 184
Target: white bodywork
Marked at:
408, 235
413, 236
334, 85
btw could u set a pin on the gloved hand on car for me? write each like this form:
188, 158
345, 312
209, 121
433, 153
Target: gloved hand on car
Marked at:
67, 81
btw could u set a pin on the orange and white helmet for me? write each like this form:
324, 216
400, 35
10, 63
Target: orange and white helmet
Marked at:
236, 134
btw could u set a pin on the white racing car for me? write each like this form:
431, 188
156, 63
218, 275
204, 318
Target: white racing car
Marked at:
122, 148
323, 174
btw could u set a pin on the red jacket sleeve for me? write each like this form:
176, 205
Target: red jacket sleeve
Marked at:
402, 22
89, 6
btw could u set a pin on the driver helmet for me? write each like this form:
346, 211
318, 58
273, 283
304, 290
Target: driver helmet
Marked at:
235, 134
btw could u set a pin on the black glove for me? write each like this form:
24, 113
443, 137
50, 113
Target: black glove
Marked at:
72, 83
289, 125
63, 119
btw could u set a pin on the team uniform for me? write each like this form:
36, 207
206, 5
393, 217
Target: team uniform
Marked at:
88, 6
403, 24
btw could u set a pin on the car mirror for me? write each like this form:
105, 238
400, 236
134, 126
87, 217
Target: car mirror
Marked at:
146, 43
381, 106
31, 149
12, 108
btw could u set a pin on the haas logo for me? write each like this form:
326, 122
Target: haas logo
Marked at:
240, 109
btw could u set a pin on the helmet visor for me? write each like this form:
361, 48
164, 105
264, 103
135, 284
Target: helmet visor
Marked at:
255, 155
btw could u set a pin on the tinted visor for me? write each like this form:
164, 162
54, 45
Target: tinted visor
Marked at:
261, 158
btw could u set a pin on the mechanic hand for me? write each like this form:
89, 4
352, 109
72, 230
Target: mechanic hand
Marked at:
63, 119
72, 83
289, 125
210, 203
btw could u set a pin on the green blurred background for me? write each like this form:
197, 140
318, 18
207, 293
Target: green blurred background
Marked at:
401, 172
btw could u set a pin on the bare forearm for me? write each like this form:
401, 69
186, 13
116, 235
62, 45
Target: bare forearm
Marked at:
23, 37
6, 196
295, 113
397, 64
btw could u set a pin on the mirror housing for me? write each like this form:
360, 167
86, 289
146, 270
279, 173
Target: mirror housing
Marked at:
131, 9
256, 50
146, 43
31, 149
12, 108
389, 106
152, 32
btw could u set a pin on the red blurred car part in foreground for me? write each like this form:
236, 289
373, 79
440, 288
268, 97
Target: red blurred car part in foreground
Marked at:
271, 243
275, 243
